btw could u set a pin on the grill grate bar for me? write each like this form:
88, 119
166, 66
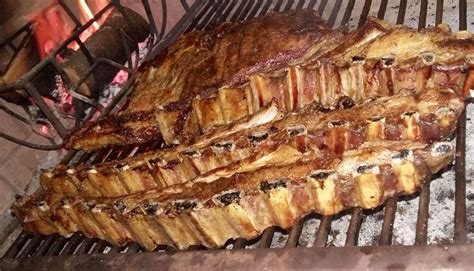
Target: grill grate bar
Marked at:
334, 13
45, 245
322, 6
278, 5
267, 236
85, 246
253, 12
245, 11
365, 12
57, 246
382, 9
354, 227
389, 217
199, 16
239, 243
205, 22
348, 12
99, 247
19, 243
460, 228
323, 231
31, 247
401, 11
71, 246
219, 12
237, 12
294, 235
265, 8
439, 12
288, 5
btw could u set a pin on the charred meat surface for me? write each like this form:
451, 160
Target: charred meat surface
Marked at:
245, 204
330, 67
428, 117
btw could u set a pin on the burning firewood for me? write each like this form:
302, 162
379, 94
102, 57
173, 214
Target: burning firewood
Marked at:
106, 43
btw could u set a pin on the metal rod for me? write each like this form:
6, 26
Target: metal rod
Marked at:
439, 12
265, 8
348, 12
33, 92
288, 6
365, 12
323, 232
294, 235
267, 236
460, 225
255, 9
17, 245
239, 243
382, 9
31, 247
334, 13
389, 217
354, 227
71, 14
72, 245
401, 11
322, 6
423, 215
423, 12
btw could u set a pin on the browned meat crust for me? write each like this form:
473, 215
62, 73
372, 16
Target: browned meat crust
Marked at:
336, 69
429, 117
244, 204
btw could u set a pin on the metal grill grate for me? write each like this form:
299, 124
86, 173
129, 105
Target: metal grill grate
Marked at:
338, 12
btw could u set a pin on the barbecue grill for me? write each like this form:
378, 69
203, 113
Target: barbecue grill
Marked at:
277, 248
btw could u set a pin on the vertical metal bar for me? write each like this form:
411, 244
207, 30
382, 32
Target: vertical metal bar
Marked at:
294, 235
85, 246
278, 5
31, 247
17, 245
460, 227
265, 8
354, 227
348, 12
423, 215
423, 12
401, 11
334, 13
255, 9
207, 19
300, 4
311, 4
227, 11
322, 6
151, 19
423, 206
239, 10
164, 19
463, 14
33, 92
239, 243
323, 231
218, 13
382, 9
289, 4
389, 217
57, 247
44, 247
439, 12
71, 246
365, 12
266, 239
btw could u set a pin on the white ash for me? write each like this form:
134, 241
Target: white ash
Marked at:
308, 233
279, 239
470, 171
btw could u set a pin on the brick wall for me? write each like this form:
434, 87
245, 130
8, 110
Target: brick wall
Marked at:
19, 166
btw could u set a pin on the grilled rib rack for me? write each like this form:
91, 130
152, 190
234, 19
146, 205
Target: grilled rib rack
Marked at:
34, 251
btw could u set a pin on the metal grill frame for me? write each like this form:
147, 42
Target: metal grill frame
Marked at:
32, 251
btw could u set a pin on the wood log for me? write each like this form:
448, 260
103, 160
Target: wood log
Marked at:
107, 43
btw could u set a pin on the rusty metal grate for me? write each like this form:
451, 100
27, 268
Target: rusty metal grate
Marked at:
211, 12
